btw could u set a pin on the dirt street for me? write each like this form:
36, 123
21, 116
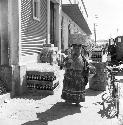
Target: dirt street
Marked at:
52, 110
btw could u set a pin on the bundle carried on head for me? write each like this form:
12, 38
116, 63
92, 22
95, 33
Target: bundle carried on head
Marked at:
78, 39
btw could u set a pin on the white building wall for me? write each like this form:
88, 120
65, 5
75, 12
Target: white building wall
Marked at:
74, 28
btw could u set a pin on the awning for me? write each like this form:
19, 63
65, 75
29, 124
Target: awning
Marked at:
73, 11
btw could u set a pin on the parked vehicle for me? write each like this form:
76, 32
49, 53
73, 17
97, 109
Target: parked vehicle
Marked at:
115, 50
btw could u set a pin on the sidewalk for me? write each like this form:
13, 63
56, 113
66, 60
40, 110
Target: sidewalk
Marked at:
52, 110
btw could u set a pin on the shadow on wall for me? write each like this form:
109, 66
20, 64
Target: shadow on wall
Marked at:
59, 110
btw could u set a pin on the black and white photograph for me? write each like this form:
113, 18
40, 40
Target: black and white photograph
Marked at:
61, 62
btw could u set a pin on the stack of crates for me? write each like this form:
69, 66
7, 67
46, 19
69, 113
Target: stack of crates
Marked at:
45, 81
49, 54
42, 79
96, 56
99, 80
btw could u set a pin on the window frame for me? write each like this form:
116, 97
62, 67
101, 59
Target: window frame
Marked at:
36, 9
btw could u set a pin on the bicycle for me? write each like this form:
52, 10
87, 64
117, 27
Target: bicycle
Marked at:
112, 97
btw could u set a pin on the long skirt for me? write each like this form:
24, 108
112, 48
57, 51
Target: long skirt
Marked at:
73, 87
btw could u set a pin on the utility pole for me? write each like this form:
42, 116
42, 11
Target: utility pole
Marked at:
95, 33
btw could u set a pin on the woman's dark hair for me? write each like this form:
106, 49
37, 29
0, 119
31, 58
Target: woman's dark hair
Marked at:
76, 45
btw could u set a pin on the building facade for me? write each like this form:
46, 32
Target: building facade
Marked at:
38, 23
26, 25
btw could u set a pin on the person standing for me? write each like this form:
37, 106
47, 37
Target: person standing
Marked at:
74, 82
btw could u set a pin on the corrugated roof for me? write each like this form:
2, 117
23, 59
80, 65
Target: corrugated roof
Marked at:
73, 11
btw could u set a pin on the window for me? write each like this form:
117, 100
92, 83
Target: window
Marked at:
36, 10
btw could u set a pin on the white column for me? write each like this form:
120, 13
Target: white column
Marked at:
58, 25
48, 21
18, 70
14, 19
4, 32
65, 33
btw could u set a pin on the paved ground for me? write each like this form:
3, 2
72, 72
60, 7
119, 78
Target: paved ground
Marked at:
52, 110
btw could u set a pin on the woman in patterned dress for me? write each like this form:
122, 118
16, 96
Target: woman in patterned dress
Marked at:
74, 82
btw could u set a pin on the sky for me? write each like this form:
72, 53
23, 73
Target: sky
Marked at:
110, 18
